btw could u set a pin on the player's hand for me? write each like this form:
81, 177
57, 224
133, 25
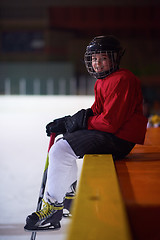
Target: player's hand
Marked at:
57, 126
70, 123
78, 120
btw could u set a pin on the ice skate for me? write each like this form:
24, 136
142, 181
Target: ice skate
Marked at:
46, 219
70, 196
67, 204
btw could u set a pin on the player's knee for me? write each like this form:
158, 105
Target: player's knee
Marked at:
61, 151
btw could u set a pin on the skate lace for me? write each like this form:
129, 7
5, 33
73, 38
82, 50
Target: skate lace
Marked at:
70, 197
47, 210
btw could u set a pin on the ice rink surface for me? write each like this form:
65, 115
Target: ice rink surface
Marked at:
23, 149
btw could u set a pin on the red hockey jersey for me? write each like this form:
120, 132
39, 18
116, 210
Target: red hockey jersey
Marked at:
118, 107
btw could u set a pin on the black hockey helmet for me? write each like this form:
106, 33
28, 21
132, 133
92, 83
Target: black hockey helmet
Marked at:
104, 44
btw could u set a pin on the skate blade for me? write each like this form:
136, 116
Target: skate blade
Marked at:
66, 213
47, 228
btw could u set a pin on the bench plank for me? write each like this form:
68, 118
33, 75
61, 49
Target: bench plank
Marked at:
98, 211
139, 180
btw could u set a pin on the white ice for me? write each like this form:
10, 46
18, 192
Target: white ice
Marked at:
23, 149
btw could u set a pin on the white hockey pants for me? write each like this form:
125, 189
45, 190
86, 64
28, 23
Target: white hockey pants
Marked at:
62, 170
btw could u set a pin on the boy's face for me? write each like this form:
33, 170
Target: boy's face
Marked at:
100, 62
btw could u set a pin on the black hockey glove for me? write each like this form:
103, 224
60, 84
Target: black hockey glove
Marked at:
69, 123
78, 120
57, 126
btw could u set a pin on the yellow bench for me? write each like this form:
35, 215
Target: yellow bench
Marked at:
98, 211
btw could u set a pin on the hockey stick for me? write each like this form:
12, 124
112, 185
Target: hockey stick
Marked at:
43, 184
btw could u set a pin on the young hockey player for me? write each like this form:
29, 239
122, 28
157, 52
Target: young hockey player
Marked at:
113, 125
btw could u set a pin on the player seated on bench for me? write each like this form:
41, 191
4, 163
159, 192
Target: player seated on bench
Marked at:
113, 125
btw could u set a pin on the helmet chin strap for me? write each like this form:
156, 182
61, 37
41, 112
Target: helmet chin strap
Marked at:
104, 74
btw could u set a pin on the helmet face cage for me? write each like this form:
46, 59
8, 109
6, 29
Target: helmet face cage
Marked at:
108, 46
112, 64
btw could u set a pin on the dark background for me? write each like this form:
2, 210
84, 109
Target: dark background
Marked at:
57, 32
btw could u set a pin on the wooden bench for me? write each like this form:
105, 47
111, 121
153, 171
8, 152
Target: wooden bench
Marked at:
101, 212
139, 180
98, 211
